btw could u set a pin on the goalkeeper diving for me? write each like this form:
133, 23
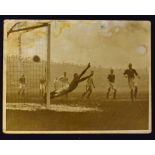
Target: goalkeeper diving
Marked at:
77, 78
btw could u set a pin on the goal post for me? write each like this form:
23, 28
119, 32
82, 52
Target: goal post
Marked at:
48, 63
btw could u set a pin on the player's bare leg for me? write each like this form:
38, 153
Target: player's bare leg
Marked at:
108, 93
131, 94
85, 93
89, 92
114, 95
135, 92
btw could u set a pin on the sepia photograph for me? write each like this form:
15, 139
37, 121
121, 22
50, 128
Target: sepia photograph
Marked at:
76, 76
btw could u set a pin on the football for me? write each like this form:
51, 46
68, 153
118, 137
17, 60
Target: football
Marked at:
36, 58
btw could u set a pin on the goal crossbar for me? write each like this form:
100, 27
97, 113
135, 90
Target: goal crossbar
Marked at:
26, 28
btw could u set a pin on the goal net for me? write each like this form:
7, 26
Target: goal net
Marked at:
26, 61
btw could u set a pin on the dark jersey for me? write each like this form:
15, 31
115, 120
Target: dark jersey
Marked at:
111, 78
130, 73
22, 80
74, 84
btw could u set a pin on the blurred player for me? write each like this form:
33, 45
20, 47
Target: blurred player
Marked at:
72, 85
130, 74
111, 80
89, 86
21, 85
42, 86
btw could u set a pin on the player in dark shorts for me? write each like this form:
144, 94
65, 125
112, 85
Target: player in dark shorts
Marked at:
130, 74
72, 85
111, 80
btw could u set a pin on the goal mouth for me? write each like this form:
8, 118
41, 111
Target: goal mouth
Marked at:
27, 59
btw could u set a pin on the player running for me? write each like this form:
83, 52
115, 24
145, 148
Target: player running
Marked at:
130, 74
89, 86
111, 80
72, 85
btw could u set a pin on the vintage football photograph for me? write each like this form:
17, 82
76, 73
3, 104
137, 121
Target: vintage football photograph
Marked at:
76, 76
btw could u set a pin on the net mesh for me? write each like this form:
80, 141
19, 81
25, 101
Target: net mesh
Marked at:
26, 78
